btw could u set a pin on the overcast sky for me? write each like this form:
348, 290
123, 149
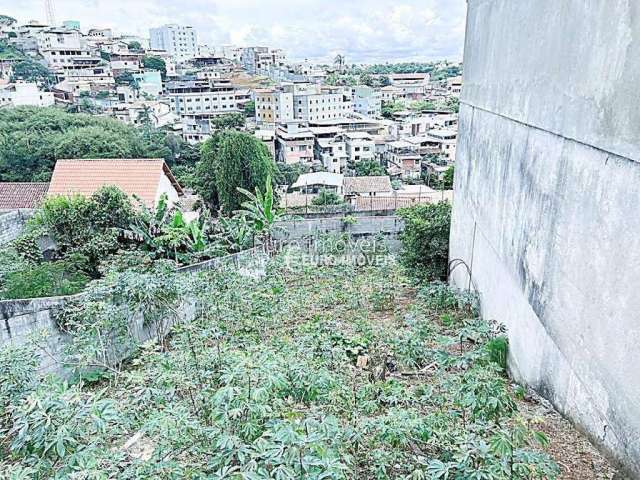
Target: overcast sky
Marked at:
362, 30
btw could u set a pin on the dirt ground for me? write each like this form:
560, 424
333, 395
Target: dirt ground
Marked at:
577, 458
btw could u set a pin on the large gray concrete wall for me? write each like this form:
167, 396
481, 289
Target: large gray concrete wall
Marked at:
12, 224
546, 201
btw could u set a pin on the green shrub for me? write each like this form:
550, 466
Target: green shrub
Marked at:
425, 240
44, 280
497, 349
17, 376
327, 197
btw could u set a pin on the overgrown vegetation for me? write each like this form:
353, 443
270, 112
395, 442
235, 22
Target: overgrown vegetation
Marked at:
311, 372
425, 240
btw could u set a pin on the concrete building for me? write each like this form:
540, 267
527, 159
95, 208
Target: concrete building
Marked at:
294, 144
259, 60
181, 42
359, 147
197, 96
367, 101
547, 189
325, 103
274, 106
445, 140
25, 94
402, 160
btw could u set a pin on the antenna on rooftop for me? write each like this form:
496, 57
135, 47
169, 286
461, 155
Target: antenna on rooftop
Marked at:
50, 12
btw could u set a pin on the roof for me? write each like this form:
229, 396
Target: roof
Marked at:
319, 178
140, 177
358, 135
369, 184
15, 195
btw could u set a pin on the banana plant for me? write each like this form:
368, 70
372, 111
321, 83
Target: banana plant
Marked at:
261, 210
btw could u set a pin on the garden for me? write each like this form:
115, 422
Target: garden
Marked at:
314, 372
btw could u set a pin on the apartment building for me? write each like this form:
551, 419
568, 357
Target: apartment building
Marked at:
359, 147
197, 96
274, 106
454, 86
25, 94
130, 62
329, 148
367, 101
294, 144
313, 103
261, 59
180, 41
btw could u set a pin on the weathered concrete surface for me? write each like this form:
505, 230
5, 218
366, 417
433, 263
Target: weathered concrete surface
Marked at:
12, 224
545, 212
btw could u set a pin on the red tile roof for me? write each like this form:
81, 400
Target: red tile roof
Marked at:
15, 195
140, 177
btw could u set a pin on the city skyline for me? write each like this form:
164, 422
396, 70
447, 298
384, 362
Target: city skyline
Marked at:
370, 32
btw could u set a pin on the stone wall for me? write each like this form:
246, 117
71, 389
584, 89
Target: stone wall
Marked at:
12, 223
545, 213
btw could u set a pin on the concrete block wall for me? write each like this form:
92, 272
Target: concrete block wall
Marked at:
12, 224
546, 194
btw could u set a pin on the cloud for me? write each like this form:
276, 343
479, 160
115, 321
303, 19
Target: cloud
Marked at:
363, 30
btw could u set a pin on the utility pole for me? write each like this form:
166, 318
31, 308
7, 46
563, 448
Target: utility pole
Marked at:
50, 13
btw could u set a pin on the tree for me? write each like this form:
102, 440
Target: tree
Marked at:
447, 179
135, 46
422, 105
425, 240
250, 109
32, 71
327, 197
150, 62
33, 138
232, 160
288, 173
7, 21
339, 60
229, 120
366, 168
261, 209
389, 108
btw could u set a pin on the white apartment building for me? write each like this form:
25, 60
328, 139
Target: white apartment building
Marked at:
261, 59
367, 101
200, 97
25, 94
446, 141
324, 104
359, 147
181, 42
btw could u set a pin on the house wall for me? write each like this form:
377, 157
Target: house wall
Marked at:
165, 186
546, 194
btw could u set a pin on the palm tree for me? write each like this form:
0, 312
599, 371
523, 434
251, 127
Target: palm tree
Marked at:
261, 210
339, 61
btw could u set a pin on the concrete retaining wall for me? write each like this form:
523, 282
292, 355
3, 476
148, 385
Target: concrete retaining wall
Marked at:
20, 319
545, 213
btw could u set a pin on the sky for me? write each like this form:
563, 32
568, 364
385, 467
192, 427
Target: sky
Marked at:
365, 31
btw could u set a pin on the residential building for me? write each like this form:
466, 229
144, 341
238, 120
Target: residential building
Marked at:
17, 195
198, 96
454, 86
149, 83
100, 34
259, 60
146, 179
315, 182
332, 153
359, 146
181, 42
268, 137
25, 94
413, 86
130, 62
403, 160
294, 144
313, 103
446, 141
274, 106
367, 101
368, 186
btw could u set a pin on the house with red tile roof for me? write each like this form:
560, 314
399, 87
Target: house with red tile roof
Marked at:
146, 179
18, 195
